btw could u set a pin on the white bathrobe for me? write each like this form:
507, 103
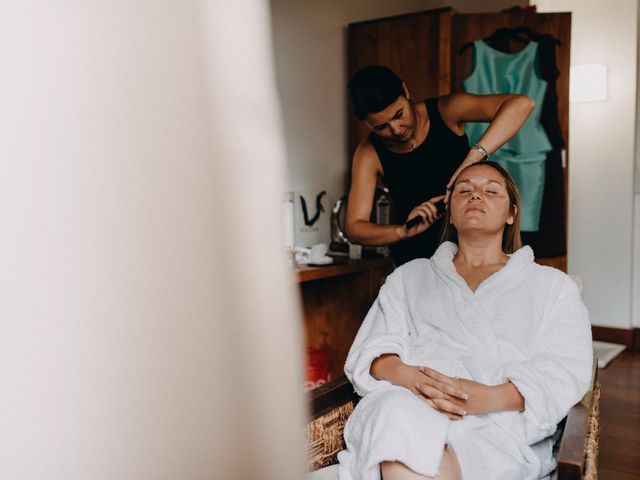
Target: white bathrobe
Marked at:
525, 324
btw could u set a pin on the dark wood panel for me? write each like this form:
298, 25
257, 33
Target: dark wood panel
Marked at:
333, 310
445, 21
636, 339
608, 474
623, 336
556, 262
329, 396
378, 277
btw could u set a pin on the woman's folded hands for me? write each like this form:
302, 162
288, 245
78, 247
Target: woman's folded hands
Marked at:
457, 397
453, 396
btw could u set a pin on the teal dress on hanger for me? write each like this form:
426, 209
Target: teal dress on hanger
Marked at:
524, 155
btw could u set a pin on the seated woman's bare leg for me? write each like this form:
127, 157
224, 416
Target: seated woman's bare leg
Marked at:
449, 469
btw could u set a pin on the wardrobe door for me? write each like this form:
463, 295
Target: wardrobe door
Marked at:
551, 239
416, 46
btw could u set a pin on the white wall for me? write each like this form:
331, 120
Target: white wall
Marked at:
636, 230
601, 168
636, 258
310, 55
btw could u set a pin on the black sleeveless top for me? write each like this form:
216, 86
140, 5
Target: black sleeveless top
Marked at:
419, 175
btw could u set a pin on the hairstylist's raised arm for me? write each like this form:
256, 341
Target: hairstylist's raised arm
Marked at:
506, 114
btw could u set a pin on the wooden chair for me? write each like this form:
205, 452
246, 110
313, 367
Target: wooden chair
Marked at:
577, 446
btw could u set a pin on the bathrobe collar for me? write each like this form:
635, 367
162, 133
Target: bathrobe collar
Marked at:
442, 262
471, 314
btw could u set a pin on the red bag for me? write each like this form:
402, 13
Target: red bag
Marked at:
318, 368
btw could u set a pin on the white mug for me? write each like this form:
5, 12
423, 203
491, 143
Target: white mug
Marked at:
317, 253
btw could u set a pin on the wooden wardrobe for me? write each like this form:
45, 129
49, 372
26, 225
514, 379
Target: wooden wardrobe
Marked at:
424, 50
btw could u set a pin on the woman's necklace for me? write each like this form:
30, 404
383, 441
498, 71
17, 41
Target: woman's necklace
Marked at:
412, 141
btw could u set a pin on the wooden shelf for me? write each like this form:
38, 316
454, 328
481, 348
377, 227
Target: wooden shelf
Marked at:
335, 300
307, 274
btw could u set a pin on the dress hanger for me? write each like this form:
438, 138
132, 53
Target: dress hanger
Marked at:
524, 30
520, 34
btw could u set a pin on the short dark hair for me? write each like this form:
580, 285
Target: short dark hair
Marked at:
372, 89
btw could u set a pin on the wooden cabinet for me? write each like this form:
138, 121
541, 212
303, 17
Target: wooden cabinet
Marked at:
335, 300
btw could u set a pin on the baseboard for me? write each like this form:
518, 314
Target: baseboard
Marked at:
623, 336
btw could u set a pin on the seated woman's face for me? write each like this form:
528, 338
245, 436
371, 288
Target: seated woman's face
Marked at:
480, 201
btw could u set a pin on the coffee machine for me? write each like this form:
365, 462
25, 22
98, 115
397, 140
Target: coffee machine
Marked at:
381, 214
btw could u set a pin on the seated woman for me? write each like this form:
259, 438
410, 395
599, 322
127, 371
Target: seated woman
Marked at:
467, 361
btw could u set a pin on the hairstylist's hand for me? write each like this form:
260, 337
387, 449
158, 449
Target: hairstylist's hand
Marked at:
428, 211
472, 157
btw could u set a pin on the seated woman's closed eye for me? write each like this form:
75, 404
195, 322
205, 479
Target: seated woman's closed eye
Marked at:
463, 360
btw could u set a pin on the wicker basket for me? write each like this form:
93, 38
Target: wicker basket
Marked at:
324, 436
591, 455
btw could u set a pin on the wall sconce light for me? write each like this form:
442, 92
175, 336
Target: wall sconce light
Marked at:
588, 83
